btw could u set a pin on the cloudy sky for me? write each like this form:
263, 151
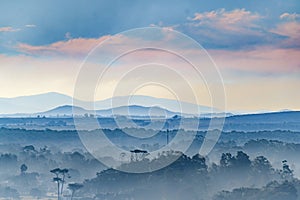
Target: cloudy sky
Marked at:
255, 44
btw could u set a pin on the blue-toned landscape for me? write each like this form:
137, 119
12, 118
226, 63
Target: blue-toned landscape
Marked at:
251, 145
150, 100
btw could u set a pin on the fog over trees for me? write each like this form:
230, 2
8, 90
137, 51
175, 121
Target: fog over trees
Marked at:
244, 168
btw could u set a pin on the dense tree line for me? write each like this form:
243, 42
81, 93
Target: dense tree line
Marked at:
194, 178
235, 174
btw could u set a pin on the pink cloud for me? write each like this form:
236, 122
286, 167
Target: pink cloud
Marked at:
235, 20
8, 29
291, 29
73, 47
274, 58
80, 47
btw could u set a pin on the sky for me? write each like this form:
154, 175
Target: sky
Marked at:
255, 45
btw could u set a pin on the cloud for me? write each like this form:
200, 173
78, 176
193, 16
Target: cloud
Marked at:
234, 29
8, 29
244, 70
81, 47
260, 59
241, 29
291, 30
72, 47
30, 26
237, 20
289, 16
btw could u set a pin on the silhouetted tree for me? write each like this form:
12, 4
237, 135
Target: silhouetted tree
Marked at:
56, 179
60, 175
64, 173
74, 187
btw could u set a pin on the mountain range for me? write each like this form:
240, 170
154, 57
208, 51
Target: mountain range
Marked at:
56, 103
133, 110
